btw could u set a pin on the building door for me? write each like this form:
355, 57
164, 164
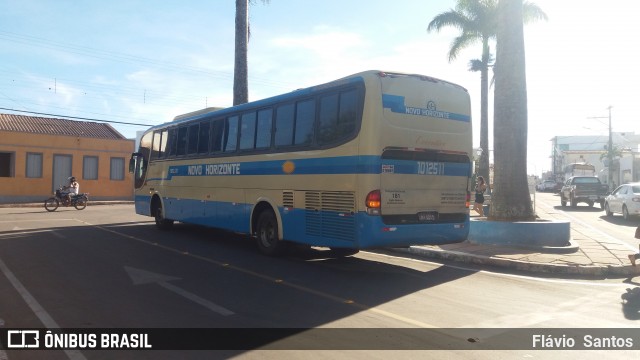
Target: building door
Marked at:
61, 170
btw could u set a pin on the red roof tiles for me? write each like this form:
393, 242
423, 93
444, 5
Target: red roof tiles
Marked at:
55, 126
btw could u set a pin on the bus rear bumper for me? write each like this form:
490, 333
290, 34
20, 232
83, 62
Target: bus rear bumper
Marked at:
374, 233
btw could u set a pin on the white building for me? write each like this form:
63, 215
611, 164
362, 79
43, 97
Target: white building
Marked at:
593, 150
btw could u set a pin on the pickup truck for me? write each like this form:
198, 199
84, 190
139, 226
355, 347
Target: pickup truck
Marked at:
587, 189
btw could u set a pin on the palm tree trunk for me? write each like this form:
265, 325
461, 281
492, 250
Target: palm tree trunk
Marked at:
510, 200
483, 168
240, 69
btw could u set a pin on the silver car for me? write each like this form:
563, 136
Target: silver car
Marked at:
625, 199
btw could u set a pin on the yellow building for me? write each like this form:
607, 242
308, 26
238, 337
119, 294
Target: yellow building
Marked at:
38, 155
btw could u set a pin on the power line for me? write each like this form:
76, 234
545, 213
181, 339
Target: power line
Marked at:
127, 58
75, 117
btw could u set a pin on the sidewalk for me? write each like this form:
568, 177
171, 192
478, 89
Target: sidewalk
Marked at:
599, 255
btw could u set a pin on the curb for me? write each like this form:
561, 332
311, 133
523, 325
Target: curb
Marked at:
574, 270
90, 203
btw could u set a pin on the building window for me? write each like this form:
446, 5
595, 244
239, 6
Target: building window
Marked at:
34, 165
6, 164
90, 168
117, 169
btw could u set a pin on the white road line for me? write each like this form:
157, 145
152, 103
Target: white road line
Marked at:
35, 306
28, 232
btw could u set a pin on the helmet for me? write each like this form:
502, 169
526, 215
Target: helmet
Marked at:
72, 179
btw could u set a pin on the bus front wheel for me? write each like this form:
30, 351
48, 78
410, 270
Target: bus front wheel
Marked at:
267, 234
161, 222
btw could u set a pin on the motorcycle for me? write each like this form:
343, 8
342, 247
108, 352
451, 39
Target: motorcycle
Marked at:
78, 201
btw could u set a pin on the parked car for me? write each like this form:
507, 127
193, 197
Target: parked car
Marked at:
624, 200
547, 185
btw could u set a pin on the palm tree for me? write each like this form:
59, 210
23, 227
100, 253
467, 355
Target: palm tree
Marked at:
510, 200
241, 67
477, 22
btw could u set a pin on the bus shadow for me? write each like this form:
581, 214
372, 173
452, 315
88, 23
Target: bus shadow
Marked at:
305, 289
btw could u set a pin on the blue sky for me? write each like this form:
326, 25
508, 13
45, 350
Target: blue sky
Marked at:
148, 61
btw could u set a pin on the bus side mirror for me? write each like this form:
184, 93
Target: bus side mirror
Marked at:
132, 164
132, 161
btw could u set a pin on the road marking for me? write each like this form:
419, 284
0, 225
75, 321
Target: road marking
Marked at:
30, 232
58, 235
3, 354
39, 220
35, 306
305, 289
139, 277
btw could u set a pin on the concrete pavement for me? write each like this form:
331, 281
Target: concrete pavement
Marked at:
598, 254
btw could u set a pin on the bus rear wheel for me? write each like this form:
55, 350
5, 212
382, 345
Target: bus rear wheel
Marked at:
267, 234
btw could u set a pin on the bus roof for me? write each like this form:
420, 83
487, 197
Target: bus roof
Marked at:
358, 77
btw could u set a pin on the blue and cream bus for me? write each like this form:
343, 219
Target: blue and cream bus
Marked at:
375, 159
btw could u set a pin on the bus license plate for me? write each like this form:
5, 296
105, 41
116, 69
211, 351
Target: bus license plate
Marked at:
427, 216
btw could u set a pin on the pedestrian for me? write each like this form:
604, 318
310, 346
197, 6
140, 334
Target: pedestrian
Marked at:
481, 187
634, 257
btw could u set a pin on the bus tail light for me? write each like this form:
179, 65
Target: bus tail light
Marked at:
373, 202
468, 202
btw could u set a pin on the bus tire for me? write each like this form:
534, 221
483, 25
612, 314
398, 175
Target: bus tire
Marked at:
161, 222
343, 252
267, 234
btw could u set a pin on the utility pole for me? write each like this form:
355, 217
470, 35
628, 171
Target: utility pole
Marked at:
609, 149
610, 153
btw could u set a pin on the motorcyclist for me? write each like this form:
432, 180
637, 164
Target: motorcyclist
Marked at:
72, 188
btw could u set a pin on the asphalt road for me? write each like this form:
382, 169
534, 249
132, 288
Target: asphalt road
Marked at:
105, 267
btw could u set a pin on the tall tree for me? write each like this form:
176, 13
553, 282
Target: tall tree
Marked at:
477, 22
241, 67
510, 200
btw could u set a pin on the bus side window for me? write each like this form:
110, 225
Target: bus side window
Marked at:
348, 114
263, 132
182, 141
217, 132
284, 125
231, 134
203, 137
305, 120
155, 149
162, 151
173, 142
248, 131
328, 122
192, 143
